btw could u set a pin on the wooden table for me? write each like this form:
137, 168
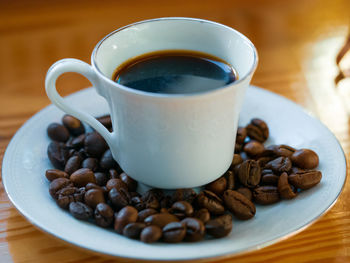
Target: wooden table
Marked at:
297, 42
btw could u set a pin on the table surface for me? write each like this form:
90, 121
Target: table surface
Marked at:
297, 43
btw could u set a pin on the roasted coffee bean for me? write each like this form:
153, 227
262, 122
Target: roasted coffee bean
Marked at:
166, 202
69, 194
83, 155
91, 163
266, 171
262, 161
239, 205
181, 209
269, 151
266, 195
125, 216
58, 154
105, 121
93, 197
253, 148
209, 200
284, 150
97, 187
269, 179
230, 180
95, 145
220, 226
58, 184
143, 214
174, 232
164, 210
238, 148
80, 210
104, 215
237, 159
72, 164
72, 152
113, 174
138, 203
246, 192
160, 219
202, 214
249, 173
78, 142
258, 130
82, 177
89, 186
151, 199
158, 193
151, 234
69, 146
218, 186
74, 125
57, 132
306, 179
195, 229
279, 165
107, 162
133, 230
259, 173
235, 174
305, 158
105, 190
241, 135
101, 178
130, 183
116, 183
52, 174
296, 170
184, 194
284, 188
119, 197
133, 194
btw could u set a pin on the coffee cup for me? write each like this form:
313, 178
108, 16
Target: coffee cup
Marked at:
165, 140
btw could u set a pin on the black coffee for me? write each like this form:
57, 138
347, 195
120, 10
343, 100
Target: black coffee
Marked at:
175, 72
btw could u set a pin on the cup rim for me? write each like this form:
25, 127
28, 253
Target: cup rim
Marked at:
177, 95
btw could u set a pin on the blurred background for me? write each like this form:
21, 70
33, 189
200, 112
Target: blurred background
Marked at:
294, 38
297, 42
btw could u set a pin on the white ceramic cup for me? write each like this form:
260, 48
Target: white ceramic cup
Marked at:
166, 140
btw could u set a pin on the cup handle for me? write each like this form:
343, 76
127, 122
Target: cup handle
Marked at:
77, 66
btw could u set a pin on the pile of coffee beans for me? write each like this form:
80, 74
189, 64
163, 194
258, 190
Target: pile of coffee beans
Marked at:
90, 184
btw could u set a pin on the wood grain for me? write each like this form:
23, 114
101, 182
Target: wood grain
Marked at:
297, 43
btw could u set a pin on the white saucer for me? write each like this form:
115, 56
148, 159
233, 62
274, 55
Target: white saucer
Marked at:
25, 162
